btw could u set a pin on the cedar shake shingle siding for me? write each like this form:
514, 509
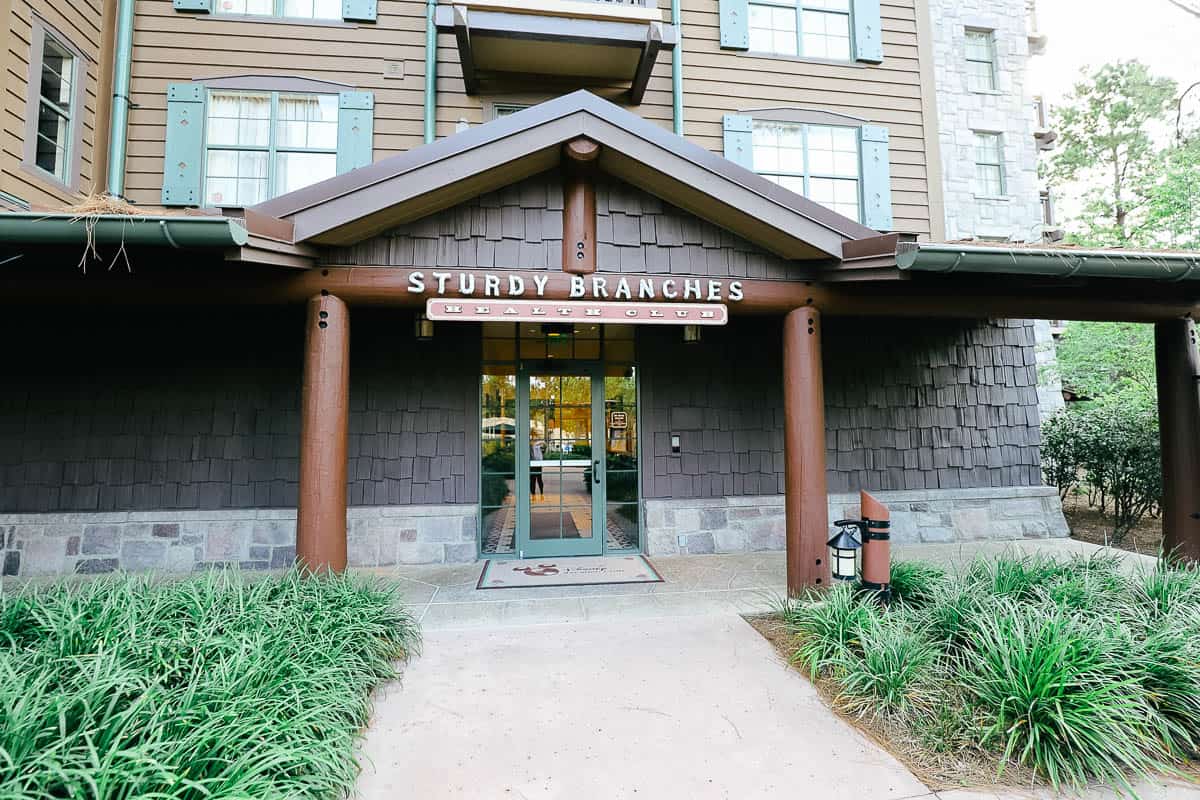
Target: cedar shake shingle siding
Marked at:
192, 412
909, 405
520, 227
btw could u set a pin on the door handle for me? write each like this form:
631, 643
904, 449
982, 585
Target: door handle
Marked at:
596, 471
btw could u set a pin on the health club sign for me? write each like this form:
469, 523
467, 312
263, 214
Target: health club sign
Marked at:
507, 297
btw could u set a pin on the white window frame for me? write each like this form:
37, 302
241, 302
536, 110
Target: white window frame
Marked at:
806, 175
276, 12
272, 149
502, 110
998, 164
990, 37
799, 7
43, 34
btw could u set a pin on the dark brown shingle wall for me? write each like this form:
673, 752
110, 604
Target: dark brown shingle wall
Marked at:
132, 411
909, 405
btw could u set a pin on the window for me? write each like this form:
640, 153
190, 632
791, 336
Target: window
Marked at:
296, 9
989, 165
820, 162
55, 125
263, 144
981, 61
506, 109
811, 28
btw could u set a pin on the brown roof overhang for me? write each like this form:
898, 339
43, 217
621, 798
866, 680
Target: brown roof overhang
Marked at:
427, 179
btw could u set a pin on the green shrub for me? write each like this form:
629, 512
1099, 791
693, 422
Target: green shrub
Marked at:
216, 686
915, 582
889, 672
827, 626
1013, 575
1168, 659
1165, 590
1059, 695
1112, 448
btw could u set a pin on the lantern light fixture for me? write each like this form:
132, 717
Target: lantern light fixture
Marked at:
844, 547
423, 327
691, 334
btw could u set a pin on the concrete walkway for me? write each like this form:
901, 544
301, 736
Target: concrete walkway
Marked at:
653, 691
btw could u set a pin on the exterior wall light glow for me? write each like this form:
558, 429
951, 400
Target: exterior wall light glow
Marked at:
423, 328
691, 334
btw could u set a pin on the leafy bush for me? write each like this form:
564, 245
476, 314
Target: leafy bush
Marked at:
216, 686
828, 626
1076, 670
914, 582
1111, 448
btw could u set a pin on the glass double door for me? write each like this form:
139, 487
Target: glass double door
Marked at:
560, 462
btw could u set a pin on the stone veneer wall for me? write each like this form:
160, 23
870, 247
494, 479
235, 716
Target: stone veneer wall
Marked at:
748, 523
183, 541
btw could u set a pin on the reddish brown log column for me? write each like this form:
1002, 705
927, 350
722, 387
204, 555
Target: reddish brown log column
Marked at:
805, 500
324, 420
579, 206
1178, 369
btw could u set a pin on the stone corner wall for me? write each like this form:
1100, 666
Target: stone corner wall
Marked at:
742, 524
252, 539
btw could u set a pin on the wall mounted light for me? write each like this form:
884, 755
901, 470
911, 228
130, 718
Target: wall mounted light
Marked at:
691, 334
422, 327
844, 547
675, 444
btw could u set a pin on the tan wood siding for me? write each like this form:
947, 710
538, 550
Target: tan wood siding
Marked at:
79, 22
718, 82
170, 46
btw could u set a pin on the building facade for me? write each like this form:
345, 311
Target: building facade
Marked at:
409, 164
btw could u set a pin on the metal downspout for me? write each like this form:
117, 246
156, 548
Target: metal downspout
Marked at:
122, 70
677, 67
430, 71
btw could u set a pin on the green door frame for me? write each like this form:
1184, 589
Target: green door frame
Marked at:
551, 548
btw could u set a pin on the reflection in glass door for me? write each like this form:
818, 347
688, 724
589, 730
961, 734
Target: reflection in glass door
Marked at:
564, 481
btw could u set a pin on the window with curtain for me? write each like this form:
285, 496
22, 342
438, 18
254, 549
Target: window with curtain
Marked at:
810, 28
296, 9
981, 61
989, 165
263, 144
55, 101
820, 162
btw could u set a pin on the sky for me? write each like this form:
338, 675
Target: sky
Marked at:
1082, 33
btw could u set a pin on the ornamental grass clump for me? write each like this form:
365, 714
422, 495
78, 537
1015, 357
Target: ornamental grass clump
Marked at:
1071, 671
211, 687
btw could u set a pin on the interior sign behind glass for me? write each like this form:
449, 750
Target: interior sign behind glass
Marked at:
593, 287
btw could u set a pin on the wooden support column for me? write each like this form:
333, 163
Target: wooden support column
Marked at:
579, 206
1178, 370
324, 420
805, 497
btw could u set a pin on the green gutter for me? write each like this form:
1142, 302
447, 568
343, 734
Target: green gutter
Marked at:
1052, 262
677, 68
25, 228
430, 71
122, 68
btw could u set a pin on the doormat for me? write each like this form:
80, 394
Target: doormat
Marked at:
572, 571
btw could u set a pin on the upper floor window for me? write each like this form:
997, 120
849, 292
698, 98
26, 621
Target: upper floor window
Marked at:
296, 9
820, 162
981, 61
989, 165
506, 109
263, 144
811, 28
55, 109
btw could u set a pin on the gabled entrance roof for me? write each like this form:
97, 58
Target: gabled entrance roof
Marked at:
428, 179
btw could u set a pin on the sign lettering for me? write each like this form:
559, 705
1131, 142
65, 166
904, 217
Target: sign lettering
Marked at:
589, 310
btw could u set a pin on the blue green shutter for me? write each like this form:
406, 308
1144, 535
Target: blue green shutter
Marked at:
356, 129
739, 139
868, 31
876, 178
195, 6
358, 10
735, 24
183, 159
